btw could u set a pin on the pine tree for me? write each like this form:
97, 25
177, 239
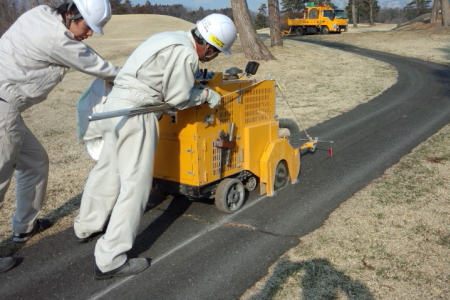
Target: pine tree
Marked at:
261, 17
417, 8
291, 6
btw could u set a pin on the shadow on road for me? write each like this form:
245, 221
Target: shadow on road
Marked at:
177, 207
7, 247
442, 73
318, 279
446, 51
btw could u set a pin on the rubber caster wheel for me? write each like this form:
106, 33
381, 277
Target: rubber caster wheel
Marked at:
230, 195
251, 183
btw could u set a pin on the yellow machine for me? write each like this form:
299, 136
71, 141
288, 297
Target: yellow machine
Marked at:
216, 153
317, 19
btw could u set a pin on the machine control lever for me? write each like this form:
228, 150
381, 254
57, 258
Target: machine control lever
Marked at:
230, 139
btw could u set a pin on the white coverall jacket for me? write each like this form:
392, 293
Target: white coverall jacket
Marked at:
160, 71
35, 54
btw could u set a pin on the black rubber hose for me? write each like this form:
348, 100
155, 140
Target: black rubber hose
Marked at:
295, 135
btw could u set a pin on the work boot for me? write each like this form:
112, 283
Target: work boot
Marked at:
130, 267
40, 225
7, 263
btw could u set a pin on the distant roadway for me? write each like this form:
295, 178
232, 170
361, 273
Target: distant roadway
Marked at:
201, 253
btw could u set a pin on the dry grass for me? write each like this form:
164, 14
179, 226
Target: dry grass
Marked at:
385, 242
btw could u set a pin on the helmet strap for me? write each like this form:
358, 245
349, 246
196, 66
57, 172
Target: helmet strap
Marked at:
73, 17
205, 57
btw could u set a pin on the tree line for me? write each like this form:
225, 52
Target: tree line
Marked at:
369, 11
10, 10
120, 7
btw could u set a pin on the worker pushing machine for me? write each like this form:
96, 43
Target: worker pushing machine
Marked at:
36, 52
160, 71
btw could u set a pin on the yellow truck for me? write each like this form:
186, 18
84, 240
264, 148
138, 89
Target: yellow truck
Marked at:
317, 19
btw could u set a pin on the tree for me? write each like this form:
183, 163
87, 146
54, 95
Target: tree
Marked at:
417, 8
363, 11
128, 5
355, 24
253, 48
143, 9
373, 8
114, 3
434, 11
391, 15
274, 22
291, 6
261, 17
331, 4
445, 13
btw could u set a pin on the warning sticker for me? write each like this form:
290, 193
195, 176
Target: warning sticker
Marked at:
216, 41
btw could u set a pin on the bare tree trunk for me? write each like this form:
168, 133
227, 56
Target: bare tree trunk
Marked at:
274, 23
371, 13
253, 48
355, 24
445, 7
434, 11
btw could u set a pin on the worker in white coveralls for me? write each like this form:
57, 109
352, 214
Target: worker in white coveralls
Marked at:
35, 53
160, 71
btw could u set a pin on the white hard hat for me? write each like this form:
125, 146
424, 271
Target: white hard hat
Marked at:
96, 13
219, 31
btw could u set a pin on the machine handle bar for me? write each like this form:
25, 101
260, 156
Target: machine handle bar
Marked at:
127, 112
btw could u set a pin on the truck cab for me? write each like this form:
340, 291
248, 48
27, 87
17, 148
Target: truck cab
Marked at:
341, 19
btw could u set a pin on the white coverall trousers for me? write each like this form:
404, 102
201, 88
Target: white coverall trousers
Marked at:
119, 184
20, 151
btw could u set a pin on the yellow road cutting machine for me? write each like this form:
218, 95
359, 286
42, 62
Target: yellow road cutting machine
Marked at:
217, 153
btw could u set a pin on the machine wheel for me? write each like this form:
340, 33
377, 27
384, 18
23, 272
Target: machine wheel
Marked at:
299, 30
230, 195
324, 30
281, 175
251, 183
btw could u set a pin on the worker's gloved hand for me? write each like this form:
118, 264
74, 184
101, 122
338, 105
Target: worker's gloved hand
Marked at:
213, 98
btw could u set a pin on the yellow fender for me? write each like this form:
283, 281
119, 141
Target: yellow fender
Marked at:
276, 151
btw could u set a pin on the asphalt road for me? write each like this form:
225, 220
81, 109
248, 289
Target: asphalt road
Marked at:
198, 252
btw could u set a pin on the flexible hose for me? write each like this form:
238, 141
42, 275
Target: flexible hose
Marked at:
295, 135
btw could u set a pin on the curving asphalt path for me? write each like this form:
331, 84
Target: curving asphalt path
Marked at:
200, 253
